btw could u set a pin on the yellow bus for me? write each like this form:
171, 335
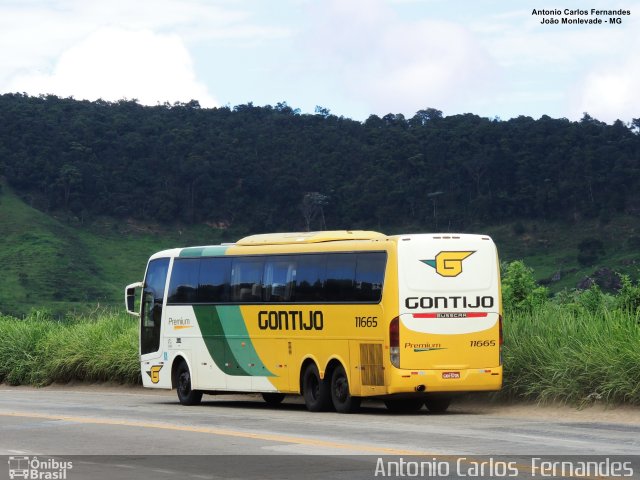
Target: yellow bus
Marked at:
334, 316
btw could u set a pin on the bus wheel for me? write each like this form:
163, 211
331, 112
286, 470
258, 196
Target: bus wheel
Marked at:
316, 392
342, 399
273, 398
437, 405
404, 405
183, 386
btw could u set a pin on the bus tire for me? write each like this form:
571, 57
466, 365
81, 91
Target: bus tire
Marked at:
186, 396
273, 398
316, 392
342, 400
404, 405
437, 405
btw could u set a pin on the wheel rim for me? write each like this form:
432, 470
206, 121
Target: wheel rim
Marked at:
341, 389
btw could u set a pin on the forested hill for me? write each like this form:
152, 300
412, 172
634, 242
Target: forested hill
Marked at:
270, 168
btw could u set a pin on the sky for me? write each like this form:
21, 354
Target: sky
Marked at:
353, 57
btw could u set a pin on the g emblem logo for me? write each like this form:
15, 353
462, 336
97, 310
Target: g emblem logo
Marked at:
448, 264
154, 373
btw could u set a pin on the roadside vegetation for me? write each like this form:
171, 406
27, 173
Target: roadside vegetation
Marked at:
577, 347
39, 350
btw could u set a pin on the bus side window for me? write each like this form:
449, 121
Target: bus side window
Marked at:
214, 284
309, 278
339, 277
278, 279
370, 276
184, 281
246, 279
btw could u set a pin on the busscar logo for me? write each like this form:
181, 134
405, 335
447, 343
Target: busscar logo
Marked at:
154, 373
448, 264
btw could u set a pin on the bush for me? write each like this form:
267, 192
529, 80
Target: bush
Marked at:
519, 289
628, 298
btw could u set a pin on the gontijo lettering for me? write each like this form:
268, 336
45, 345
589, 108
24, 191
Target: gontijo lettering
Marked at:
290, 320
449, 302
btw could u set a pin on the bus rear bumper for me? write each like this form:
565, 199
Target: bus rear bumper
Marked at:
450, 380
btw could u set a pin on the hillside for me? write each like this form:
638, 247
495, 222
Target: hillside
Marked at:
91, 189
57, 264
272, 169
63, 267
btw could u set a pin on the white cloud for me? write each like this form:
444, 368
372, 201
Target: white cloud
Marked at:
610, 92
47, 43
397, 65
113, 63
429, 64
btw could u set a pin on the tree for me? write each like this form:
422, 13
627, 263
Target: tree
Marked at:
312, 207
68, 177
422, 117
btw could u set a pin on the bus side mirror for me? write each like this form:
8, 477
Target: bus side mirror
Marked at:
130, 298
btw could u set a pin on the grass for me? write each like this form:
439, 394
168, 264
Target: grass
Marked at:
39, 350
556, 354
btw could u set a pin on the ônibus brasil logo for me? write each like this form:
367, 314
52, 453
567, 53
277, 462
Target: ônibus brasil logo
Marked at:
38, 468
448, 264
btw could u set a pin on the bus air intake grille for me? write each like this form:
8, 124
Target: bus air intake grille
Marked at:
371, 364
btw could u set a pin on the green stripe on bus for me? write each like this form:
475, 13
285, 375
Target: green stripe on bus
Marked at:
214, 339
227, 340
235, 331
214, 251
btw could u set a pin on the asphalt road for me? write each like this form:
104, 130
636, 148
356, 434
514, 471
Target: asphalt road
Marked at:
136, 433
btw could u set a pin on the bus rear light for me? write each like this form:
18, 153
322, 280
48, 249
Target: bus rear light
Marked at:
394, 342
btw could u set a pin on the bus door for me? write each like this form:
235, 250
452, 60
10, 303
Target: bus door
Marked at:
154, 372
449, 302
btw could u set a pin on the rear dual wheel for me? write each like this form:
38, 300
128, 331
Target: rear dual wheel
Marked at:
322, 394
342, 400
315, 390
